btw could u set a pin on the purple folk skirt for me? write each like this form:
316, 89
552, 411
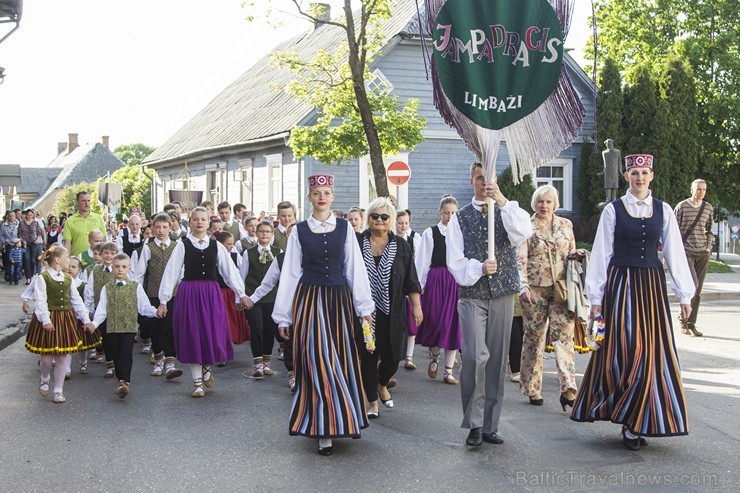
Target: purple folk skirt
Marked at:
441, 326
200, 326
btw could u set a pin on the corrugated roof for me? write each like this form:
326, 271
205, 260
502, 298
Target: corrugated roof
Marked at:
250, 109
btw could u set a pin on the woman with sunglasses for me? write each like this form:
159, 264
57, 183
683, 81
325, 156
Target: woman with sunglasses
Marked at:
323, 275
390, 267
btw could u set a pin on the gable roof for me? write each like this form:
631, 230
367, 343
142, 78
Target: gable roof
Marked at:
85, 163
249, 110
36, 180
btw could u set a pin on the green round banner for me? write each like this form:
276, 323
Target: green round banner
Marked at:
497, 61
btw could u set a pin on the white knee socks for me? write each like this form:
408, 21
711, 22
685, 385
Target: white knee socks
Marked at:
410, 342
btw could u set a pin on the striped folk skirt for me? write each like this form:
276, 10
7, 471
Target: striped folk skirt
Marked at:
635, 378
89, 341
63, 339
329, 401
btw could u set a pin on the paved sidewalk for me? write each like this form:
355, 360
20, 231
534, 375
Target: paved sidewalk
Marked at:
718, 286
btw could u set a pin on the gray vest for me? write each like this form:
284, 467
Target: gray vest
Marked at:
474, 228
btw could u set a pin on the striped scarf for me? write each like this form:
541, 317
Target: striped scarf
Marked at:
380, 275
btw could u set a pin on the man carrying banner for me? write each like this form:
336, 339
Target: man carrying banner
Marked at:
486, 304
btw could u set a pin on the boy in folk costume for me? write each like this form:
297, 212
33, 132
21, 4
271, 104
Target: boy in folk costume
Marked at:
100, 276
153, 259
87, 257
230, 224
286, 216
121, 300
250, 240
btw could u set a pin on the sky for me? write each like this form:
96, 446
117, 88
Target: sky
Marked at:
135, 70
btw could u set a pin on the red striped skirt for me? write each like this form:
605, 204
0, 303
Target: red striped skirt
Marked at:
63, 339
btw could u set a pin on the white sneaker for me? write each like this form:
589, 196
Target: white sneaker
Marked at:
514, 377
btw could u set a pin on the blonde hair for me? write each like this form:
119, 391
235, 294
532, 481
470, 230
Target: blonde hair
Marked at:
54, 251
377, 204
542, 191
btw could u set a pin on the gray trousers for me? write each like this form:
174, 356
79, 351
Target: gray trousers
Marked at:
486, 330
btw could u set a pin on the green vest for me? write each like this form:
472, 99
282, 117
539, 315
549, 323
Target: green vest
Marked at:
87, 260
155, 268
257, 272
234, 230
281, 239
122, 311
57, 293
246, 245
81, 289
100, 279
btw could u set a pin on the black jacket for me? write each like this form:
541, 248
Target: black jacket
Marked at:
403, 281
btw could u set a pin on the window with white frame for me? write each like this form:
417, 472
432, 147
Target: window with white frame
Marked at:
379, 82
275, 180
559, 174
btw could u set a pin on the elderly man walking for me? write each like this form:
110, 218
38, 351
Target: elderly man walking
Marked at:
695, 222
486, 304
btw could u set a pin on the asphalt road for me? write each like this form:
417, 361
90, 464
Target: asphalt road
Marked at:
235, 439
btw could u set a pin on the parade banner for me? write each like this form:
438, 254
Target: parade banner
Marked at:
110, 195
188, 199
497, 61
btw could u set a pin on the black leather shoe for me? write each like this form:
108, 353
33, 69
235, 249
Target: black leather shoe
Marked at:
326, 450
493, 438
475, 437
643, 442
632, 444
536, 402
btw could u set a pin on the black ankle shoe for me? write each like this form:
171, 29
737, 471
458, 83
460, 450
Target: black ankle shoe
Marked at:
494, 438
565, 402
536, 402
632, 444
475, 437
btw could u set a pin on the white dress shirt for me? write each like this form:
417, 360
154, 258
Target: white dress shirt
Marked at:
131, 238
89, 293
467, 271
354, 271
175, 269
143, 306
423, 257
39, 295
673, 252
146, 255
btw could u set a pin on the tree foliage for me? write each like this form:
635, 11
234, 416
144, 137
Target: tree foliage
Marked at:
522, 192
66, 200
643, 34
133, 154
353, 120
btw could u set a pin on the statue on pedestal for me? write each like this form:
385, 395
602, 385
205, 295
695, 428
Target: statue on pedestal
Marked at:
613, 170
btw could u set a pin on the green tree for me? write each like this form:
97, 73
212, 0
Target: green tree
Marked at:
590, 181
640, 107
133, 154
135, 187
705, 33
66, 200
353, 120
610, 105
522, 192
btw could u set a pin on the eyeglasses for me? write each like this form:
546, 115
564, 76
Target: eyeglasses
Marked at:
264, 231
375, 216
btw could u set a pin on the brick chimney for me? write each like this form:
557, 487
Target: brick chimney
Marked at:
72, 143
105, 140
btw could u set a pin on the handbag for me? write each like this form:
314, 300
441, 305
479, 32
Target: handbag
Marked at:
559, 286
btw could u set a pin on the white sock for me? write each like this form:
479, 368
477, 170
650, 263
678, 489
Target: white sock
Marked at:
410, 342
630, 435
82, 356
450, 355
45, 367
59, 371
196, 371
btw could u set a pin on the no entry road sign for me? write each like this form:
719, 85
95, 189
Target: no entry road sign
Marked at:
398, 173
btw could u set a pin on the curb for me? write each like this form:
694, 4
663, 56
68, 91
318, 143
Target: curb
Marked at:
711, 296
12, 333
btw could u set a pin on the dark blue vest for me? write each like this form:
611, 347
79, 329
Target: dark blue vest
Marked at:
474, 228
200, 265
323, 255
636, 238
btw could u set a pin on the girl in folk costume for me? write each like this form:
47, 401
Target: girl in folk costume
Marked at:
634, 379
238, 327
53, 329
255, 263
199, 320
250, 240
89, 340
323, 275
441, 326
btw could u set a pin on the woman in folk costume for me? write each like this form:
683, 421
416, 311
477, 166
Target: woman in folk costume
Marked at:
441, 326
199, 320
323, 288
634, 379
